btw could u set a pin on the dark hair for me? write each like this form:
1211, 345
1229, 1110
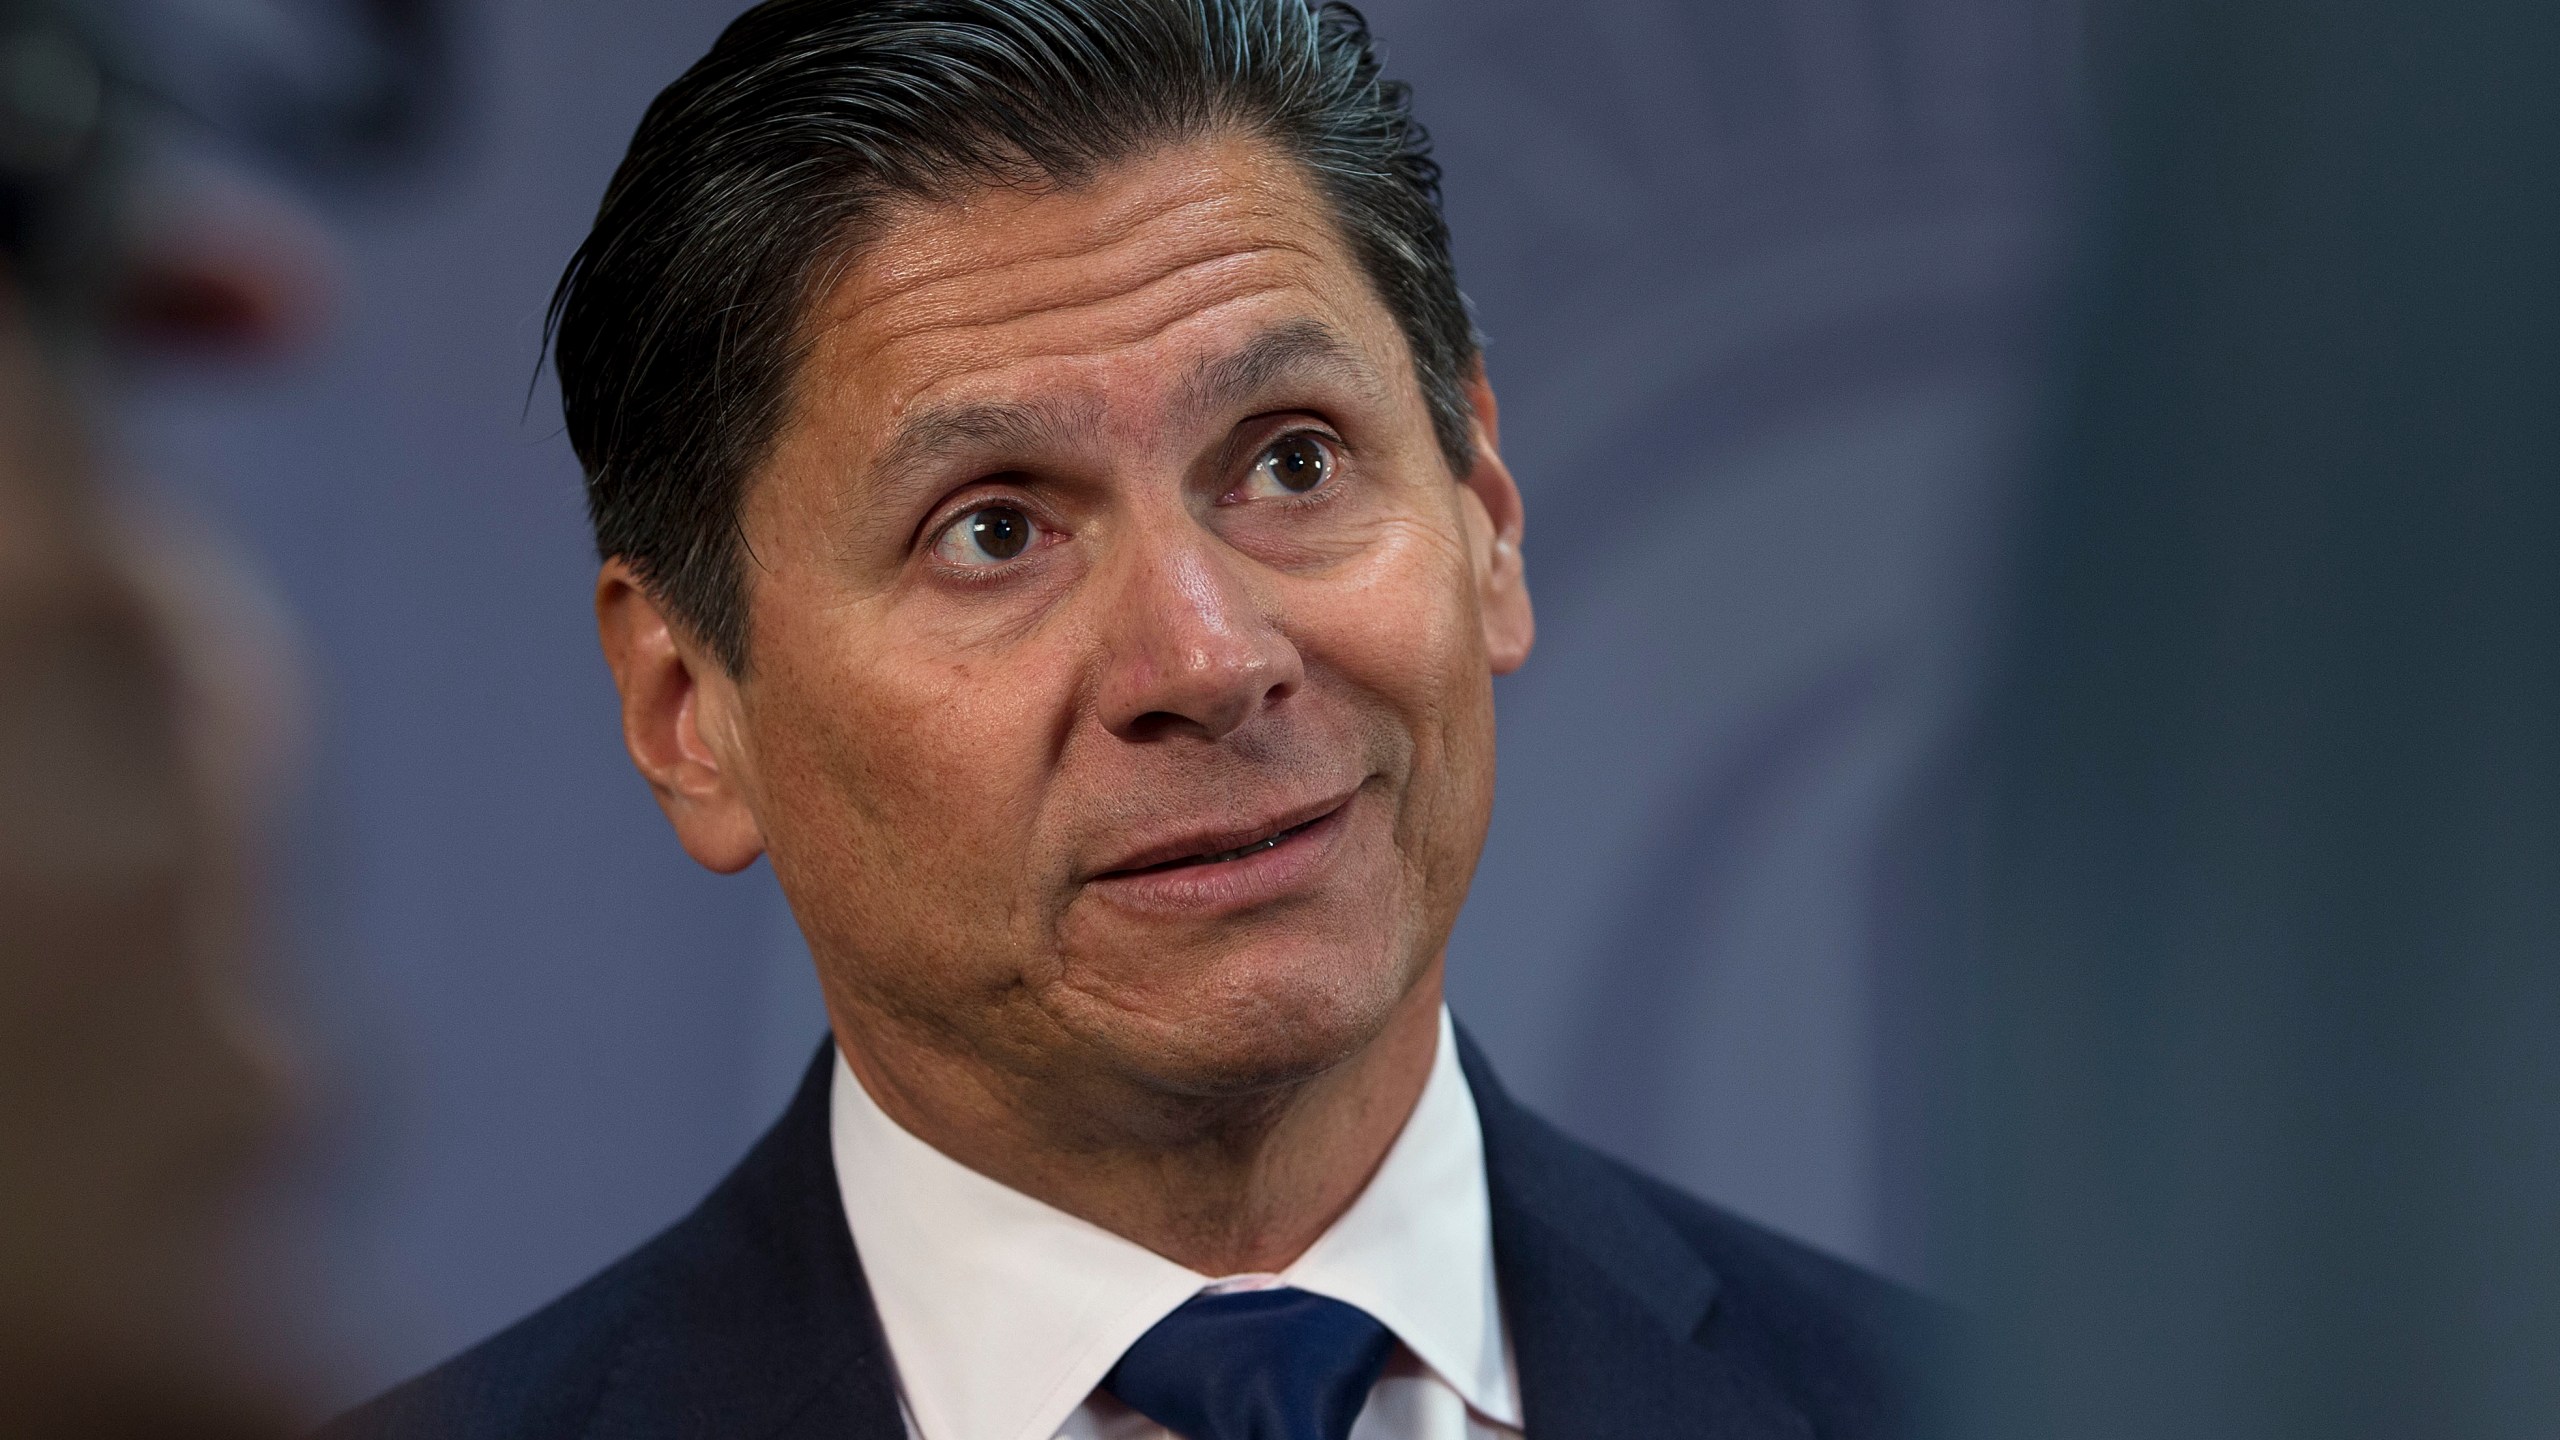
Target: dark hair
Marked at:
678, 327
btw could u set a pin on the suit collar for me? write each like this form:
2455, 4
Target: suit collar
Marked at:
765, 1330
1607, 1302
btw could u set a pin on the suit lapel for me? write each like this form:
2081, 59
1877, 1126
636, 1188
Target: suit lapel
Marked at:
761, 1326
1603, 1298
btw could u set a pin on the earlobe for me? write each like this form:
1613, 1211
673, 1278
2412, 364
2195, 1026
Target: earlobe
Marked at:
679, 723
1510, 625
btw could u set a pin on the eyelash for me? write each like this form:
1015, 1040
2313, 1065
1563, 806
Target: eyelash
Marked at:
1335, 450
930, 535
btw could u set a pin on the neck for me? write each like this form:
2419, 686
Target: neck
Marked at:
1221, 1184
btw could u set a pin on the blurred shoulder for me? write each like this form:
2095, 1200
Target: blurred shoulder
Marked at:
751, 1309
541, 1377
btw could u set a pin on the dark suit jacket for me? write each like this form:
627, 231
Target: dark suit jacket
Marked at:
1634, 1310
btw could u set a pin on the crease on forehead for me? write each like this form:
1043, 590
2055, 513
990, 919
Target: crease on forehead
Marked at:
1214, 381
1193, 293
1160, 241
1182, 183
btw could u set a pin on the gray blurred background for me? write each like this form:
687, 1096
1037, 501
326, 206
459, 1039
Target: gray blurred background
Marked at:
1762, 281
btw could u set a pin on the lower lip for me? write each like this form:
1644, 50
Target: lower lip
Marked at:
1265, 876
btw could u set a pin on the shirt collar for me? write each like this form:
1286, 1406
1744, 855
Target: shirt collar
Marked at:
1003, 1313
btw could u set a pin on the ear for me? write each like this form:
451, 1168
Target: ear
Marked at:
681, 723
1502, 585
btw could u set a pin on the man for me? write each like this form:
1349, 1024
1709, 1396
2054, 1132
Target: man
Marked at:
1051, 507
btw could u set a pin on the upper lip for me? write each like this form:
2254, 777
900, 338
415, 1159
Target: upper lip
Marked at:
1219, 838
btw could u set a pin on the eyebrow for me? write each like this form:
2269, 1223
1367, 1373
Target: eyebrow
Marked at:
946, 430
1283, 350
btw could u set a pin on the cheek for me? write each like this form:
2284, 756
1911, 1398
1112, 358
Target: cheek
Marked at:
1403, 628
1401, 622
900, 791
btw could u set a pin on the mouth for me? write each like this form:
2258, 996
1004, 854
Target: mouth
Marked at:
1227, 846
1268, 842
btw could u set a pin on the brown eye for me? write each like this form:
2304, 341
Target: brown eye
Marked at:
989, 535
1000, 533
1291, 465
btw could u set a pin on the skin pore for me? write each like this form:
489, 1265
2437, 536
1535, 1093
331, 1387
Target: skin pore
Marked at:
1119, 713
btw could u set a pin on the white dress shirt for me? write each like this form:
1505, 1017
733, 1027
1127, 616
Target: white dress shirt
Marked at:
1003, 1313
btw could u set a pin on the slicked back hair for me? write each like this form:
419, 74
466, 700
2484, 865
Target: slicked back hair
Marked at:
679, 327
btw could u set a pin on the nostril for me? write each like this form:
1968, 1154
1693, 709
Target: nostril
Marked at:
1155, 724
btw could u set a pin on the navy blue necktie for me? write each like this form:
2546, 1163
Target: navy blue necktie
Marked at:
1255, 1365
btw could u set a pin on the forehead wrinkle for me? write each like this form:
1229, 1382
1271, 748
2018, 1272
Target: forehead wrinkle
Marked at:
1090, 350
902, 261
1213, 275
935, 432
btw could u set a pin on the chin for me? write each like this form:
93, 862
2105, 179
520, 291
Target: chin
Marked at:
1267, 1015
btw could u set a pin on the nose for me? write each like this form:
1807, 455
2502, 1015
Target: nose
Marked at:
1190, 648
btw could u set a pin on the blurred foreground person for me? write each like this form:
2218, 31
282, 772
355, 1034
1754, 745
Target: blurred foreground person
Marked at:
145, 717
1052, 508
133, 1089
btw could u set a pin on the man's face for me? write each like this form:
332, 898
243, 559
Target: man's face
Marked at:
1120, 682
